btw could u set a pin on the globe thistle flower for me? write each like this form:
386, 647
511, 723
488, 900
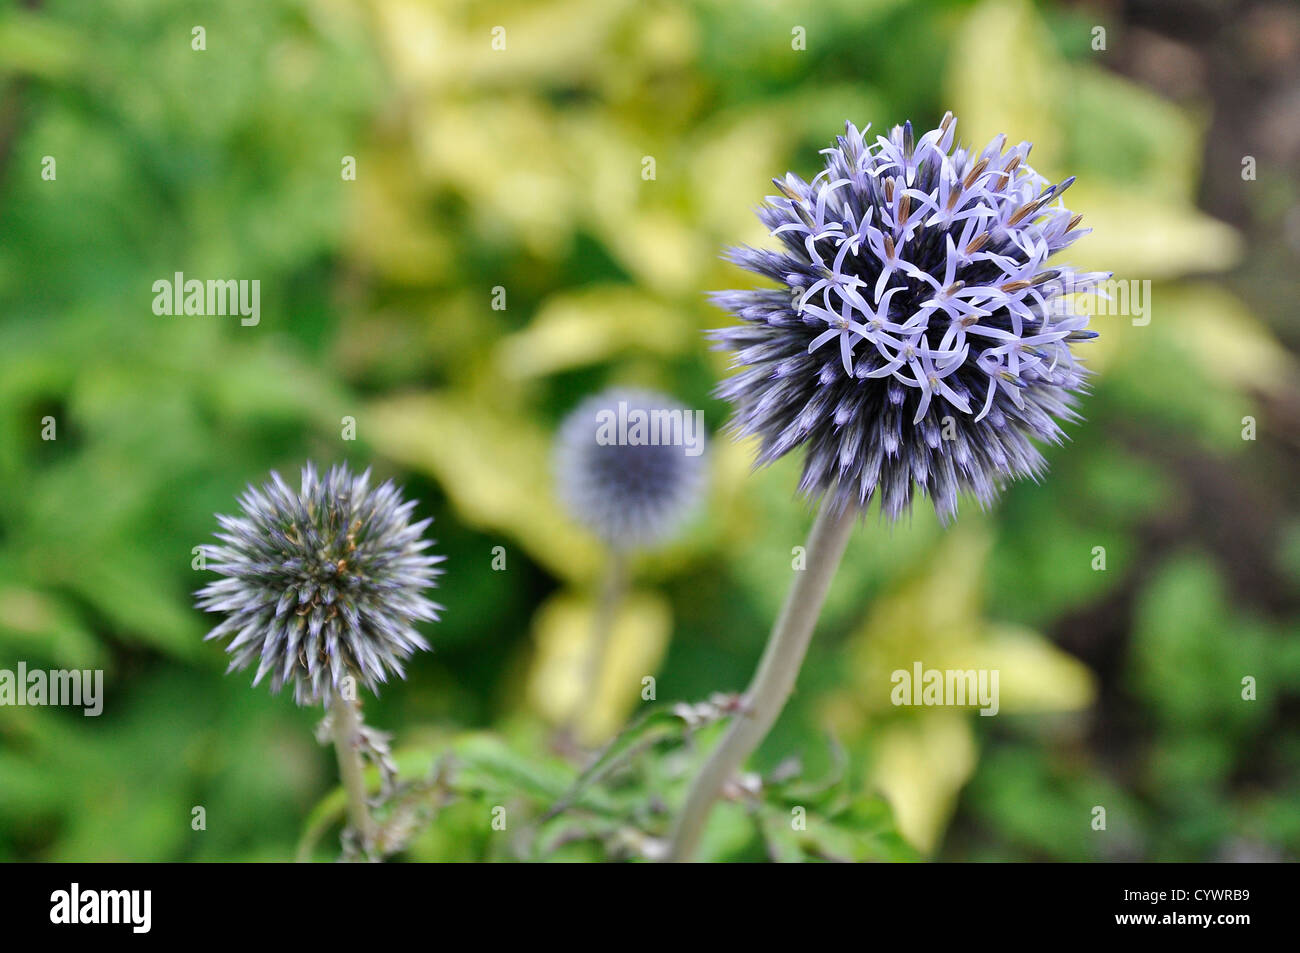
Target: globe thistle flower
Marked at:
629, 466
919, 342
321, 583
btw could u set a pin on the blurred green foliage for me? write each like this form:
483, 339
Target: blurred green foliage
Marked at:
521, 169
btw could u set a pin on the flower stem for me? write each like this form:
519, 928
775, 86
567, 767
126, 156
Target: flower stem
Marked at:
347, 732
611, 594
604, 616
774, 680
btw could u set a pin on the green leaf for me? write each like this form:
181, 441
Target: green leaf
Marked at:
644, 733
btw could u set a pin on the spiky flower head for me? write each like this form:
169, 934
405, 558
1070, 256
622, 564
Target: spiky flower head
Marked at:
918, 341
629, 465
321, 584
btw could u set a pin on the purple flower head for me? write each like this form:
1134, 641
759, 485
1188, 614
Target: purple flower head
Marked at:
629, 466
323, 583
918, 340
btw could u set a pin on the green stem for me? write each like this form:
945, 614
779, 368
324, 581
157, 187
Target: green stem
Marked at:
611, 594
347, 745
774, 680
602, 626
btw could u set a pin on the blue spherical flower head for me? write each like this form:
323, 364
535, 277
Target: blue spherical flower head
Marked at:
919, 342
629, 465
321, 584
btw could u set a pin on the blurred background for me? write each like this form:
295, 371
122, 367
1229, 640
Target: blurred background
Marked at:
504, 249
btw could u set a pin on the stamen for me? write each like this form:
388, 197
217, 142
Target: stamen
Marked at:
785, 190
1027, 210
